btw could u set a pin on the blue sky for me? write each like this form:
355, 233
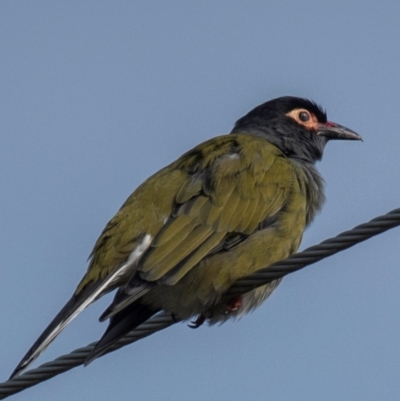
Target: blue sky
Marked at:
96, 96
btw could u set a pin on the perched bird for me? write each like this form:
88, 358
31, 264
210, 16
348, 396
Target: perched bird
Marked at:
230, 206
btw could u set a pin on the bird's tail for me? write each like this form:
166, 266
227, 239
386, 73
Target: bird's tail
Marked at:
71, 309
121, 324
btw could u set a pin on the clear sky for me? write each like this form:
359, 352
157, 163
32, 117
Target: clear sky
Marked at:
96, 96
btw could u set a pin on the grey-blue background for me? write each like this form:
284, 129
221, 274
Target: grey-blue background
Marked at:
96, 96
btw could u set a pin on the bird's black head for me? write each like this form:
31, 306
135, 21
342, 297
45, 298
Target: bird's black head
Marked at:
298, 127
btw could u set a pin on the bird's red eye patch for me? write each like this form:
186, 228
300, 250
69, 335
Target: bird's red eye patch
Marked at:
304, 118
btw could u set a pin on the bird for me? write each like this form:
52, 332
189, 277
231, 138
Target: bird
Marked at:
228, 207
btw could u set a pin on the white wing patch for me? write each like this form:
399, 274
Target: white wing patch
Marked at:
130, 262
139, 250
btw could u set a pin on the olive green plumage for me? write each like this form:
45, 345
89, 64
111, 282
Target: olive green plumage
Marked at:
230, 206
231, 194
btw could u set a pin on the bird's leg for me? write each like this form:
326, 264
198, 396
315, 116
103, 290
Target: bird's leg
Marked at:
175, 318
233, 305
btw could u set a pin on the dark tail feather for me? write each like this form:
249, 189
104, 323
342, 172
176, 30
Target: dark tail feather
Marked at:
70, 310
121, 324
122, 299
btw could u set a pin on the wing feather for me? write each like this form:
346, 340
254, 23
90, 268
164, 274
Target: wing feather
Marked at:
224, 198
230, 195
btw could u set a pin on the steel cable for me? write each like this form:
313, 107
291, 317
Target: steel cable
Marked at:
277, 270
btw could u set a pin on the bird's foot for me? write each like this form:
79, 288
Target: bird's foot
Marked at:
199, 321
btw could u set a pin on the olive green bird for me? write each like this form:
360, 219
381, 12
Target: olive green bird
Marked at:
230, 206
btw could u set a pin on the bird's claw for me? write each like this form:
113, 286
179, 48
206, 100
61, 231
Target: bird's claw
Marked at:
199, 321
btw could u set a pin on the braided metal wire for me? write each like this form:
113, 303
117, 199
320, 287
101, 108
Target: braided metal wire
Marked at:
316, 253
77, 357
277, 270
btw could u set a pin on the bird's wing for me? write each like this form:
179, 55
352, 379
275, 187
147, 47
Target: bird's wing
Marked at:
231, 190
209, 198
116, 252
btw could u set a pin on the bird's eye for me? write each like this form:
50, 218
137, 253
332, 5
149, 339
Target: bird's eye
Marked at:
304, 116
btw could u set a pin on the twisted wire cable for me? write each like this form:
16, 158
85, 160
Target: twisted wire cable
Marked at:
316, 253
161, 321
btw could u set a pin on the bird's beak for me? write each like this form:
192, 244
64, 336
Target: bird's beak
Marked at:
332, 130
